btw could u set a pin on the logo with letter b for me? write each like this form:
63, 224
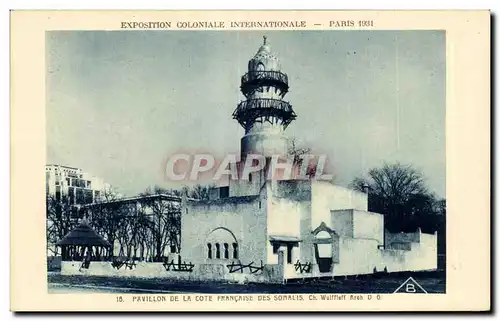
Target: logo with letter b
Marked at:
410, 286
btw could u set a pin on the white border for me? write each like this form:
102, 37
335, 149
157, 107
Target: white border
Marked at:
494, 5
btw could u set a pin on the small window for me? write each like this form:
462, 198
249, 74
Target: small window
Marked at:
250, 177
276, 247
71, 193
226, 251
217, 250
289, 249
209, 248
235, 251
58, 193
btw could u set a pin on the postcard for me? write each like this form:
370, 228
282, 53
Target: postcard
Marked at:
250, 161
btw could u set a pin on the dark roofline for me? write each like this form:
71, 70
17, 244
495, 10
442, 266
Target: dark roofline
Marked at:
63, 166
226, 200
83, 234
133, 199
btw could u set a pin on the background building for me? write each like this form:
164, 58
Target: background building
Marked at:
80, 187
67, 189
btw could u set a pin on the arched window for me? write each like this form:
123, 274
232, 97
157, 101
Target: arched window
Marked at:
209, 247
217, 250
221, 239
235, 251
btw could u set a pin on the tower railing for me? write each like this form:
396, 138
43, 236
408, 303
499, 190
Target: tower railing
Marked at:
251, 109
260, 78
257, 75
262, 103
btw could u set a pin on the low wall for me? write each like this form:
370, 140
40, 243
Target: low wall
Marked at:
304, 270
200, 272
356, 257
362, 256
401, 237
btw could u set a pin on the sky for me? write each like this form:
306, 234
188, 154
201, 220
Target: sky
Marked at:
119, 103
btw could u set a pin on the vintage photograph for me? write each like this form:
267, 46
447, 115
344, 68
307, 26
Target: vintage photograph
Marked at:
274, 162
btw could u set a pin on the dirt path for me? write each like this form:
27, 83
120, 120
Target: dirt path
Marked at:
64, 284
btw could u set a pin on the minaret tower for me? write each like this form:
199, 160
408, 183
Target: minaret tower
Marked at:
264, 114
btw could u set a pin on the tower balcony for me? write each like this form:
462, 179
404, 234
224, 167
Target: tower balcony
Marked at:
267, 109
253, 79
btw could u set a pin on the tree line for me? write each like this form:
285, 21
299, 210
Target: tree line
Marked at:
400, 193
144, 229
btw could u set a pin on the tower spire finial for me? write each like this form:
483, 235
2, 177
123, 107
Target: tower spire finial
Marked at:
265, 40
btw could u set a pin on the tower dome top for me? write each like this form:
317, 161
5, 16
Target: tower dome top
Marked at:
264, 59
264, 51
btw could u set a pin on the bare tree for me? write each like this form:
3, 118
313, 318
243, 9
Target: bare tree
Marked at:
61, 218
395, 183
165, 222
400, 193
140, 228
176, 192
200, 192
145, 242
298, 153
127, 233
106, 216
440, 207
